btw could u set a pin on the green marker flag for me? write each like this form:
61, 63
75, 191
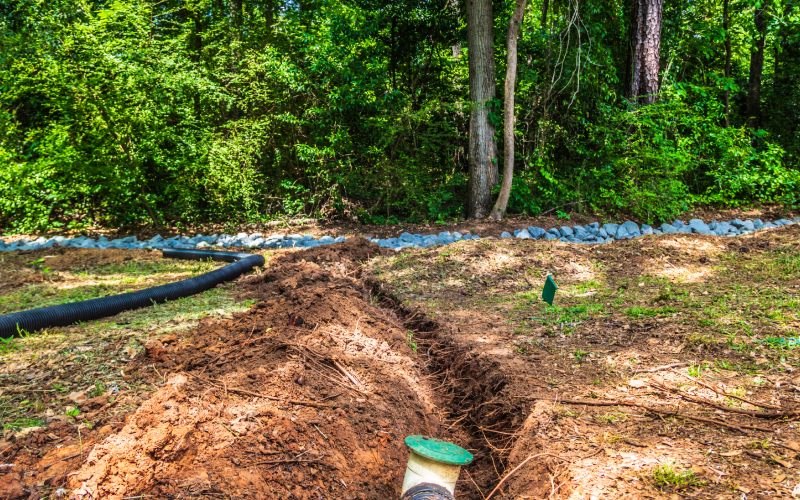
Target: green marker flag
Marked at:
549, 291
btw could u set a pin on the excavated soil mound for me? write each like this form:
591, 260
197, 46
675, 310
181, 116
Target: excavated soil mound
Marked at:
309, 394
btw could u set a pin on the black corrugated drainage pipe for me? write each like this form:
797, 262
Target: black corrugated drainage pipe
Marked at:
67, 314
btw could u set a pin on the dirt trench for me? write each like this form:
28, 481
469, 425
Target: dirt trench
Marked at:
307, 395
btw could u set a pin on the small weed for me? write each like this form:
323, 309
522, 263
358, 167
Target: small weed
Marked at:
98, 390
580, 355
563, 411
760, 444
22, 423
700, 339
411, 341
638, 312
38, 265
611, 417
696, 371
666, 477
669, 295
72, 412
8, 345
724, 364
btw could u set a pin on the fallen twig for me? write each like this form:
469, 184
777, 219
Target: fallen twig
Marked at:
246, 392
511, 473
661, 368
661, 411
350, 376
742, 411
732, 396
287, 461
274, 398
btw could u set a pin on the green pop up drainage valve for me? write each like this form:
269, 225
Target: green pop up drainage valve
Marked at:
434, 462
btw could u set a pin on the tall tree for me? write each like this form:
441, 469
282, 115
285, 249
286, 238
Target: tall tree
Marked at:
482, 149
726, 27
757, 64
645, 48
509, 121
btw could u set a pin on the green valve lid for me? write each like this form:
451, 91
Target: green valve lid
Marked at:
438, 450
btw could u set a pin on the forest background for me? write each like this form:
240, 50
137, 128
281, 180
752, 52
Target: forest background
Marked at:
153, 112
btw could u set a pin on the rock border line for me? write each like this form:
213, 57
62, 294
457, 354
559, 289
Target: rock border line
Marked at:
594, 233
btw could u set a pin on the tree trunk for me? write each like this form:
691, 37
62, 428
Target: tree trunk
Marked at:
645, 48
514, 24
482, 149
236, 20
726, 26
545, 7
757, 67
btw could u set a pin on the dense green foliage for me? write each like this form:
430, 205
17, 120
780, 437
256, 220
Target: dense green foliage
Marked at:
143, 111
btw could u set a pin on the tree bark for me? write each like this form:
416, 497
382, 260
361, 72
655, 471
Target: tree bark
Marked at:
645, 49
757, 66
509, 121
236, 20
545, 7
482, 149
726, 26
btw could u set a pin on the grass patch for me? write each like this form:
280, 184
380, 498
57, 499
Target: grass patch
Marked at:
667, 477
611, 417
22, 423
101, 281
638, 312
95, 351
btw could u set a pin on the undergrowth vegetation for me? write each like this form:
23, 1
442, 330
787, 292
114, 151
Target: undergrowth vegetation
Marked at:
128, 112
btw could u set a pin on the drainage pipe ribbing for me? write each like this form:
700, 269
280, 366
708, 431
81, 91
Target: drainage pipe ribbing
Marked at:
74, 312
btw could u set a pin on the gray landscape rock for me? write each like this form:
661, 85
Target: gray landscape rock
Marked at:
668, 229
592, 233
581, 234
536, 232
632, 228
699, 227
723, 228
610, 229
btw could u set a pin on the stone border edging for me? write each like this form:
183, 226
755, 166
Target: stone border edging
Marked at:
594, 233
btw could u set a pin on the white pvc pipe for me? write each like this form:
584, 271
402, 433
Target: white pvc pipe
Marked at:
423, 470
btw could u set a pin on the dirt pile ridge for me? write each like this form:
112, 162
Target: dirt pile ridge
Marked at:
307, 395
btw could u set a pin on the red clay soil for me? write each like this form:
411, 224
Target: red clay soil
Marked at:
561, 428
307, 395
310, 393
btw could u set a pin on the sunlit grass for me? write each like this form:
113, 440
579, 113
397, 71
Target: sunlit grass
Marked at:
68, 286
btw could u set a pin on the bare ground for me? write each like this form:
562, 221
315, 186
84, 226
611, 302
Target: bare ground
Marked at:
657, 372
